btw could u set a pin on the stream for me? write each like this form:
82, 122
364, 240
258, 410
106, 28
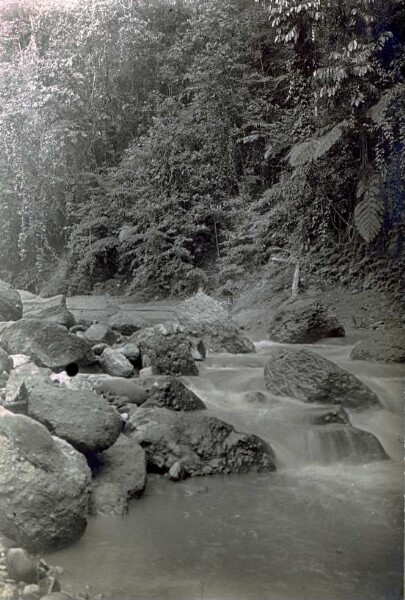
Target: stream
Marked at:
327, 525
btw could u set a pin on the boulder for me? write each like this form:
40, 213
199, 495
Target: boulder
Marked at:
167, 348
384, 346
122, 466
45, 483
205, 318
131, 352
11, 308
100, 334
303, 320
309, 377
49, 309
82, 418
114, 363
177, 472
203, 445
111, 387
168, 392
127, 324
47, 343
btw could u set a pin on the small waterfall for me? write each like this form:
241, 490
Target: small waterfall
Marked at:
329, 444
301, 434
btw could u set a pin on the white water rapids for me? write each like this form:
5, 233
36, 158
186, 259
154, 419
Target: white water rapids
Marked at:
327, 525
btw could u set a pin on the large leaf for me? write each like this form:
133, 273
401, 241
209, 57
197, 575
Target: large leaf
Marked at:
305, 152
369, 212
328, 140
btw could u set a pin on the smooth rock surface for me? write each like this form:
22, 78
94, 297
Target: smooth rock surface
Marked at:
47, 483
100, 334
82, 418
48, 344
110, 386
203, 445
309, 377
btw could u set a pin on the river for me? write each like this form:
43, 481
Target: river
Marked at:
328, 525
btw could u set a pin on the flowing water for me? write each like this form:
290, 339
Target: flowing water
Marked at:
326, 525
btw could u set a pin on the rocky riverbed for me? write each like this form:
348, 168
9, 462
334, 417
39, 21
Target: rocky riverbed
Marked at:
100, 398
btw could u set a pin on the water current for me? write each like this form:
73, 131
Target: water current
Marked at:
327, 525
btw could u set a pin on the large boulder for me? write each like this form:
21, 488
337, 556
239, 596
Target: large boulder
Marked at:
168, 392
49, 309
113, 387
205, 318
167, 348
48, 344
118, 472
114, 363
202, 445
11, 308
126, 323
309, 377
303, 321
82, 418
383, 346
44, 483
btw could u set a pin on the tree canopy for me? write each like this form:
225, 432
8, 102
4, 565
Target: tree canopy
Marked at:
167, 144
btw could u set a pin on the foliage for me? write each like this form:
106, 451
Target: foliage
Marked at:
158, 141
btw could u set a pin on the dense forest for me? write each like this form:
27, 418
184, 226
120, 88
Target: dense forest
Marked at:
166, 145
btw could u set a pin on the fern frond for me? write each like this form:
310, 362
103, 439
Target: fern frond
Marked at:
369, 212
377, 112
328, 140
303, 153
